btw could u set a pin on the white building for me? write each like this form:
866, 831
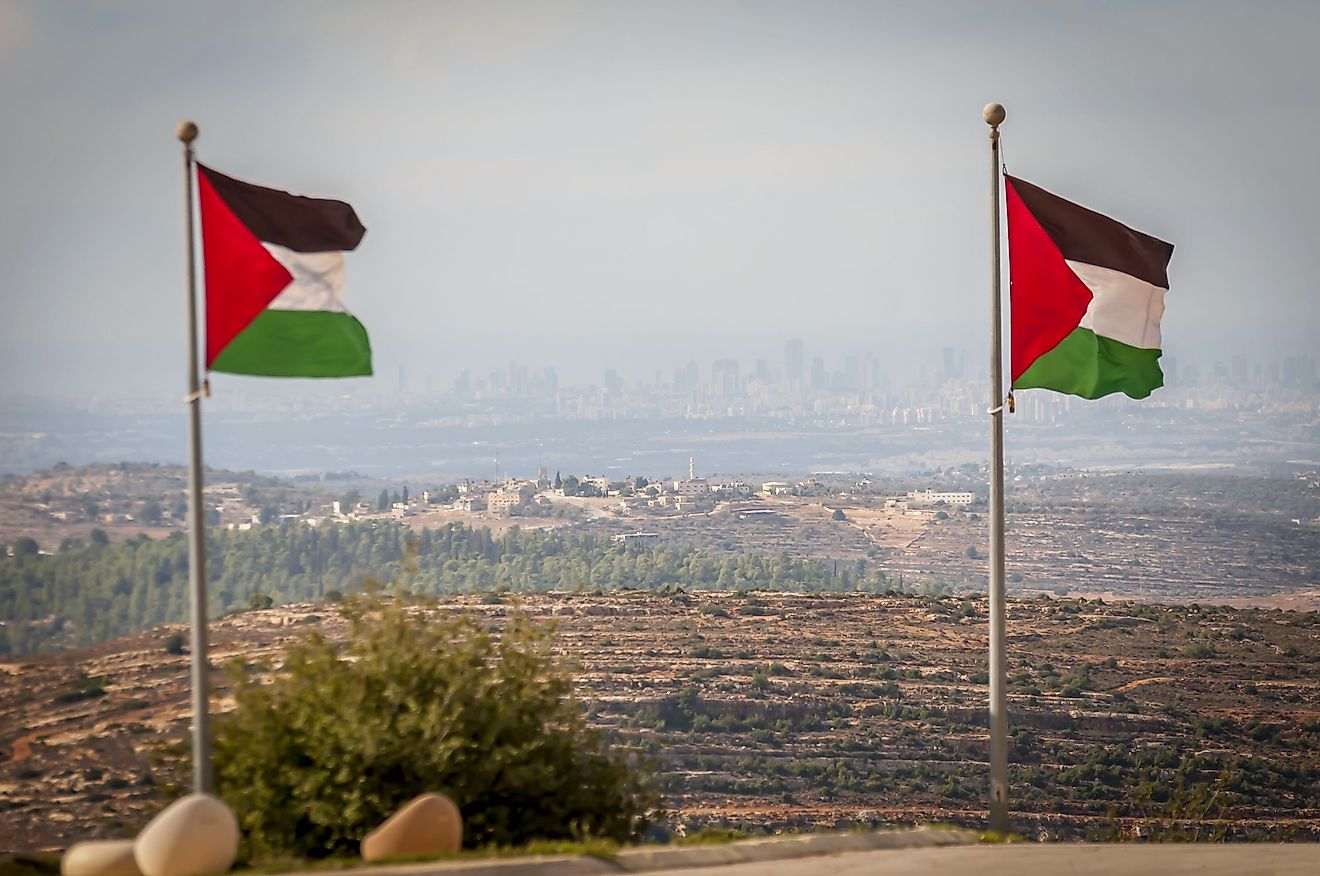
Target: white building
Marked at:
693, 486
637, 538
934, 497
503, 504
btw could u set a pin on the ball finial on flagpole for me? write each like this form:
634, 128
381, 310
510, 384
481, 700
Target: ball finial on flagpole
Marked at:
994, 114
187, 131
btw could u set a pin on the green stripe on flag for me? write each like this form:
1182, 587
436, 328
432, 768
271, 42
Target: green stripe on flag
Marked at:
1092, 366
299, 343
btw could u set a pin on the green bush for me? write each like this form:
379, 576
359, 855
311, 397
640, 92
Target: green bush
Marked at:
260, 601
84, 687
416, 701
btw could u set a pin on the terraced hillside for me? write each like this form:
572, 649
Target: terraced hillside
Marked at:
772, 711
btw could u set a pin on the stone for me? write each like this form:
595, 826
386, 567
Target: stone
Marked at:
100, 858
193, 836
426, 825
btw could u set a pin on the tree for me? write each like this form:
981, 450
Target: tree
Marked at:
383, 501
150, 513
839, 515
98, 536
260, 601
558, 484
409, 703
25, 547
174, 644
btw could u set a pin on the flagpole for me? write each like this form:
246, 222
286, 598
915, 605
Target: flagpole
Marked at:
201, 688
994, 116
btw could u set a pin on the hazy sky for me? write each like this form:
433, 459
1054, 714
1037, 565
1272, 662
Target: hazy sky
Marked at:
626, 183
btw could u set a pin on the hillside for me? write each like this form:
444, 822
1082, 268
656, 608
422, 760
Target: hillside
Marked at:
789, 710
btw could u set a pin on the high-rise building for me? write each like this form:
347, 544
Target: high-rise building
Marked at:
517, 379
955, 364
1239, 370
724, 377
819, 378
852, 372
793, 359
870, 372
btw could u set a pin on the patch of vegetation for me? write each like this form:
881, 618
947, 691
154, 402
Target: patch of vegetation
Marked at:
85, 687
105, 590
29, 865
416, 702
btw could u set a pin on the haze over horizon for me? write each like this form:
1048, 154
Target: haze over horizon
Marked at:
595, 185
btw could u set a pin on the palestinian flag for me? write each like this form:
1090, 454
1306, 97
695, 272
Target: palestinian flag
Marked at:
1087, 295
274, 266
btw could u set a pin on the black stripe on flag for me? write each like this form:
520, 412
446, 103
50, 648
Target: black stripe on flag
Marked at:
294, 222
1086, 236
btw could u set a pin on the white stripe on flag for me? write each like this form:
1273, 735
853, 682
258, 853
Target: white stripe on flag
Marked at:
318, 278
1123, 308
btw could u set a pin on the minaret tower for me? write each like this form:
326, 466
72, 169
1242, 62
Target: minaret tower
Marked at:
692, 468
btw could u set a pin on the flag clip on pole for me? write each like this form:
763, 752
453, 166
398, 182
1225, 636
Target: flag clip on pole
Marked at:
994, 116
201, 730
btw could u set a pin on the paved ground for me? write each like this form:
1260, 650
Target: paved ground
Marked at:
1046, 860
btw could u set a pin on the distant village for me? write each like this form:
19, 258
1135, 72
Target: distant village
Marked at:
124, 499
548, 495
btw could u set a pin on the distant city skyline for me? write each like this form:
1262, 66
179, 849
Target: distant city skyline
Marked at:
623, 186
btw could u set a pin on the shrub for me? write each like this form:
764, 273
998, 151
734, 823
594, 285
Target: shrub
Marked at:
174, 644
25, 547
84, 687
409, 703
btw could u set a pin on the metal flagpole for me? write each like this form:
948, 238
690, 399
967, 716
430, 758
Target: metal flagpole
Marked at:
201, 688
994, 116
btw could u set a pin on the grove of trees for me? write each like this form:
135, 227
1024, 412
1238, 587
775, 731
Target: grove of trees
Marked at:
92, 591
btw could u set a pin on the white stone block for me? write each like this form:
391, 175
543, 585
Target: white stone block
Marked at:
426, 825
194, 836
100, 858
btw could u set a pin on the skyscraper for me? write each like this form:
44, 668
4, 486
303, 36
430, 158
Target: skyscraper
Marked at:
793, 359
724, 377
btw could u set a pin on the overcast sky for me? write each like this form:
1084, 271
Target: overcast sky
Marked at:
622, 183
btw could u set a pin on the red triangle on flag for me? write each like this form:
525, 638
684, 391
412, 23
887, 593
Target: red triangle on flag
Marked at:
242, 278
1048, 299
